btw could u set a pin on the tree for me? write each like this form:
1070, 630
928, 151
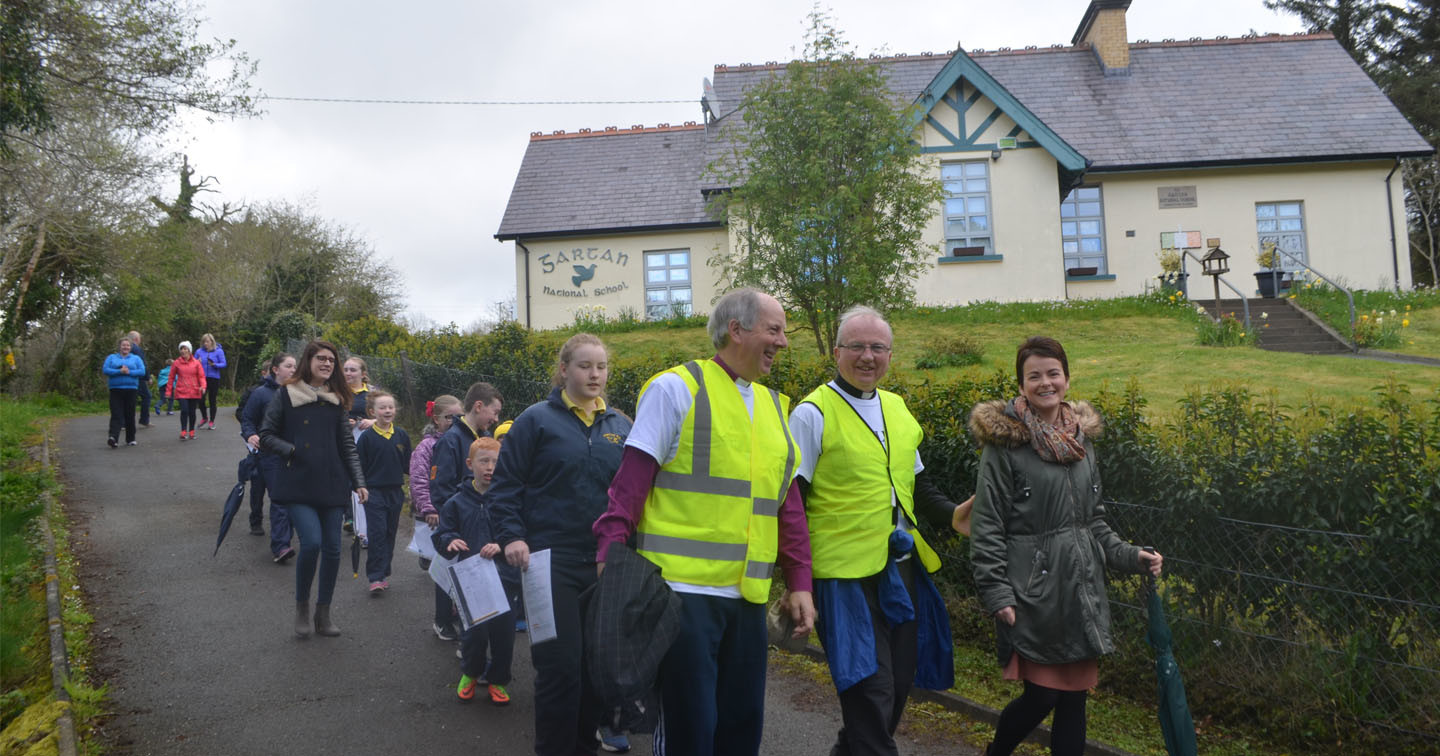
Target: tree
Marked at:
828, 196
1399, 47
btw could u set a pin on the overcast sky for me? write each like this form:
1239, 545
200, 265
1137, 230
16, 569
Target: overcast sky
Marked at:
426, 185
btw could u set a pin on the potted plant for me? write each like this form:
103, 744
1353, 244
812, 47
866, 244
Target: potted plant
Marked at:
1267, 279
1171, 277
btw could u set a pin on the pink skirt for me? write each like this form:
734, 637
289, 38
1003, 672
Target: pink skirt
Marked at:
1071, 676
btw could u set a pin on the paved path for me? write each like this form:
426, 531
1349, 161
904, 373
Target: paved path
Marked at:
199, 652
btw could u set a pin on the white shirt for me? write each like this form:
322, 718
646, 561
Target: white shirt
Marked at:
659, 417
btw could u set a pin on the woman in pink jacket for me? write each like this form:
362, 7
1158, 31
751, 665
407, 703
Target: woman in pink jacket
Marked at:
187, 383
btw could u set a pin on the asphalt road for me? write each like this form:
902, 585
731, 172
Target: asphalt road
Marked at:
201, 659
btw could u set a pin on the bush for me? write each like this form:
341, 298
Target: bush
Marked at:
956, 351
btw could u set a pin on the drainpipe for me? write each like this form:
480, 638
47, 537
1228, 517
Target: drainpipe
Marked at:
1390, 216
521, 245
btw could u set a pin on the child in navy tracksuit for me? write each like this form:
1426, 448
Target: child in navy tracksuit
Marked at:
464, 530
384, 452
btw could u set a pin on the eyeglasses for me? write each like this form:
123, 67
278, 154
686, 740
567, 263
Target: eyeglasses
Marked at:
860, 348
324, 358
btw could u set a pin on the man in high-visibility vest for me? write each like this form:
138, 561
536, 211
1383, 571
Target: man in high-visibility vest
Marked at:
880, 617
706, 485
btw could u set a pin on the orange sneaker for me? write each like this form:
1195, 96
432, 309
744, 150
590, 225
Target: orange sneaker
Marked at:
465, 691
499, 696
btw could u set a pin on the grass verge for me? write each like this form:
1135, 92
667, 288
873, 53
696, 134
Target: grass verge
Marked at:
1407, 322
24, 643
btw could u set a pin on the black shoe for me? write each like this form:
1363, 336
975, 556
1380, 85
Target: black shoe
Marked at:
257, 530
112, 442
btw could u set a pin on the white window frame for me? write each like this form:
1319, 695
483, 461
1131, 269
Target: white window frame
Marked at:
967, 182
1081, 224
664, 297
1284, 228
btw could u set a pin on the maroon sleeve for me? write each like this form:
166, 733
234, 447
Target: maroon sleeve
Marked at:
628, 491
794, 541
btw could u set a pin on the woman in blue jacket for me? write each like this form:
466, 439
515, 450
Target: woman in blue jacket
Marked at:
212, 357
551, 483
123, 371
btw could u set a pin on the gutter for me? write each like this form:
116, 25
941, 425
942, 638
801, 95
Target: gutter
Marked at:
521, 245
1390, 217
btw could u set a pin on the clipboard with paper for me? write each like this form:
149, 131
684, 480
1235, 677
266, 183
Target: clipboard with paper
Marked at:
478, 593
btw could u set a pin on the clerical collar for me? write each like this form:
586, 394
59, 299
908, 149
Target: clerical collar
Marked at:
845, 386
734, 376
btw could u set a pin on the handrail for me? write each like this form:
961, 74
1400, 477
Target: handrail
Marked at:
1354, 345
1244, 302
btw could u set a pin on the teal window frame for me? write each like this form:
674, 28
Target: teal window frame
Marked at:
667, 292
1082, 229
967, 204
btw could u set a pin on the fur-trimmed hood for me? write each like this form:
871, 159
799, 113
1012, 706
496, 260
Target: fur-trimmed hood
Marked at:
302, 394
995, 423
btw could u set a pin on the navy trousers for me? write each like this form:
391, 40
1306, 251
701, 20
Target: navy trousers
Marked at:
279, 516
382, 522
567, 711
495, 636
712, 680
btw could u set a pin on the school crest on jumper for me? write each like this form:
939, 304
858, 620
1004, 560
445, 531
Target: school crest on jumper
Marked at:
613, 438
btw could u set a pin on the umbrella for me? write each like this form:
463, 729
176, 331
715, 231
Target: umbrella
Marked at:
1175, 723
244, 472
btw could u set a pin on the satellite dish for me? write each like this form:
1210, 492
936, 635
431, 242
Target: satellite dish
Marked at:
710, 103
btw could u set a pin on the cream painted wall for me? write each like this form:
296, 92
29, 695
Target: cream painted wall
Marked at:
1025, 217
1346, 230
619, 274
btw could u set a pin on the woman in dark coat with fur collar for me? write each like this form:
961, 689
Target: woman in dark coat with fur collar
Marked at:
307, 425
1040, 545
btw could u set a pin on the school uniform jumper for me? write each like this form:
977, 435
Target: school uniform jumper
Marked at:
550, 484
464, 517
385, 458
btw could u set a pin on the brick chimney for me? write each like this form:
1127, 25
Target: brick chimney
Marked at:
1103, 29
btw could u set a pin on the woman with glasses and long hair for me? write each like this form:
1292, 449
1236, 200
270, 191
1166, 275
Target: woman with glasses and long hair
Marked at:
307, 425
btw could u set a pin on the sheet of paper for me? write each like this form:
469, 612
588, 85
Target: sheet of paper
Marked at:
539, 613
478, 593
420, 543
440, 573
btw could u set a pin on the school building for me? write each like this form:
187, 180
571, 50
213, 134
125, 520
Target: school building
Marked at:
1066, 170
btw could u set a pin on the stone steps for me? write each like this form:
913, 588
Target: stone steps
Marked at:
1282, 327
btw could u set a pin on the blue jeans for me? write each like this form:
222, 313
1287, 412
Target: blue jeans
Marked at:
712, 680
382, 522
319, 530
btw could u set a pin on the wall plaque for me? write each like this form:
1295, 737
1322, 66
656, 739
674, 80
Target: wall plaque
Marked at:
1175, 197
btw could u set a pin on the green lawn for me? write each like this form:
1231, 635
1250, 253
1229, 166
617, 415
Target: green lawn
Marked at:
1153, 344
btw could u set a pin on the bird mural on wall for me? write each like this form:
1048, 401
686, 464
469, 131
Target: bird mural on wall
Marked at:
583, 273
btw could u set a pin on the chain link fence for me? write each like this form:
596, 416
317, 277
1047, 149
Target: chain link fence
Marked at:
1310, 634
415, 383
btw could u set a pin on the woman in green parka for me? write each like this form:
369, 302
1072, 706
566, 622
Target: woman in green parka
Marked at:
1039, 548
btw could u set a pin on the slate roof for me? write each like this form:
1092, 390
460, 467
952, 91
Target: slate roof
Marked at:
1249, 100
596, 181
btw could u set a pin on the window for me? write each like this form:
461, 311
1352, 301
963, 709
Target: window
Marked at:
967, 206
667, 283
1082, 229
1283, 224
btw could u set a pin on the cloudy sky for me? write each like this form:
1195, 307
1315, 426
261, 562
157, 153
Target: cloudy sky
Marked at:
426, 185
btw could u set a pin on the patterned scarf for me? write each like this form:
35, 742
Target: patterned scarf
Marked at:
1063, 442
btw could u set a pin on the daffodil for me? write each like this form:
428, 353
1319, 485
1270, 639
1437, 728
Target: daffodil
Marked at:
1265, 316
1405, 323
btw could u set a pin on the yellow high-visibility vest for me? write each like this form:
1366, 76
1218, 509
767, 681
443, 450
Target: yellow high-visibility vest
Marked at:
712, 515
848, 507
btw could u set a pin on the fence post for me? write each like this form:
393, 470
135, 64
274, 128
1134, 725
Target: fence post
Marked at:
409, 380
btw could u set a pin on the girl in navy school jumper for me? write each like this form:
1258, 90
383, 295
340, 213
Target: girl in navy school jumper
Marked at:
384, 451
464, 531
